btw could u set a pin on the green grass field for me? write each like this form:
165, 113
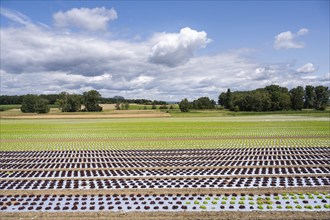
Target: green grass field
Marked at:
164, 133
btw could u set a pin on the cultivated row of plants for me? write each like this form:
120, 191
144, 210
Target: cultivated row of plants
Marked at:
166, 202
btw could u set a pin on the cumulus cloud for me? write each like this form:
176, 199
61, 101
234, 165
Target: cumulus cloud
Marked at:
306, 68
288, 40
173, 49
90, 19
163, 67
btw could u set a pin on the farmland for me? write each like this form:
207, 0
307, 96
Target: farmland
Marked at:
270, 166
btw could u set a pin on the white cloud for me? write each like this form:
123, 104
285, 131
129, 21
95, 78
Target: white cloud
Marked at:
303, 31
15, 16
43, 60
173, 49
307, 68
90, 19
288, 40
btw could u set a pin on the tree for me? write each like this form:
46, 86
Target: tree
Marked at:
222, 99
28, 104
126, 105
280, 97
184, 105
91, 101
203, 103
297, 98
33, 103
321, 97
229, 100
41, 106
69, 102
309, 96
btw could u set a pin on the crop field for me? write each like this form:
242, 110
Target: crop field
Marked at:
267, 166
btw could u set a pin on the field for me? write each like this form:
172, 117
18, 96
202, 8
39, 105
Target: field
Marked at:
198, 165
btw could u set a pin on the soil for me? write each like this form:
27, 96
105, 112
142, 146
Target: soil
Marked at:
167, 215
88, 116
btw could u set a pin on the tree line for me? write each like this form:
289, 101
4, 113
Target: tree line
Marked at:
52, 98
276, 98
270, 98
66, 102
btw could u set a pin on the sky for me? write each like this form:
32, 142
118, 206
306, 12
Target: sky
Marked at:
162, 50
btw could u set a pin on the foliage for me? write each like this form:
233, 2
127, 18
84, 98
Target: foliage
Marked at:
69, 102
34, 104
275, 98
28, 104
41, 106
203, 103
184, 105
91, 100
297, 98
322, 97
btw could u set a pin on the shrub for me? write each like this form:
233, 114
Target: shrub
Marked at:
250, 198
214, 202
232, 202
251, 203
277, 198
196, 202
279, 207
320, 197
327, 206
260, 207
205, 202
207, 198
317, 207
269, 207
298, 207
225, 198
311, 197
223, 202
202, 207
188, 203
241, 202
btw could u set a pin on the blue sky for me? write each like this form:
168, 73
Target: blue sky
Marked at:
165, 50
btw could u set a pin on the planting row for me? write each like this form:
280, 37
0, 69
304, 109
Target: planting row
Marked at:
169, 153
165, 202
251, 182
165, 172
165, 159
65, 164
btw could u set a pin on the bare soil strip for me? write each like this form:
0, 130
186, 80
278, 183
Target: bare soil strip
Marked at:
87, 116
255, 191
272, 215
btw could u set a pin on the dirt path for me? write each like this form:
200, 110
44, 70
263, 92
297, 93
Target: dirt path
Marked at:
271, 215
87, 116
